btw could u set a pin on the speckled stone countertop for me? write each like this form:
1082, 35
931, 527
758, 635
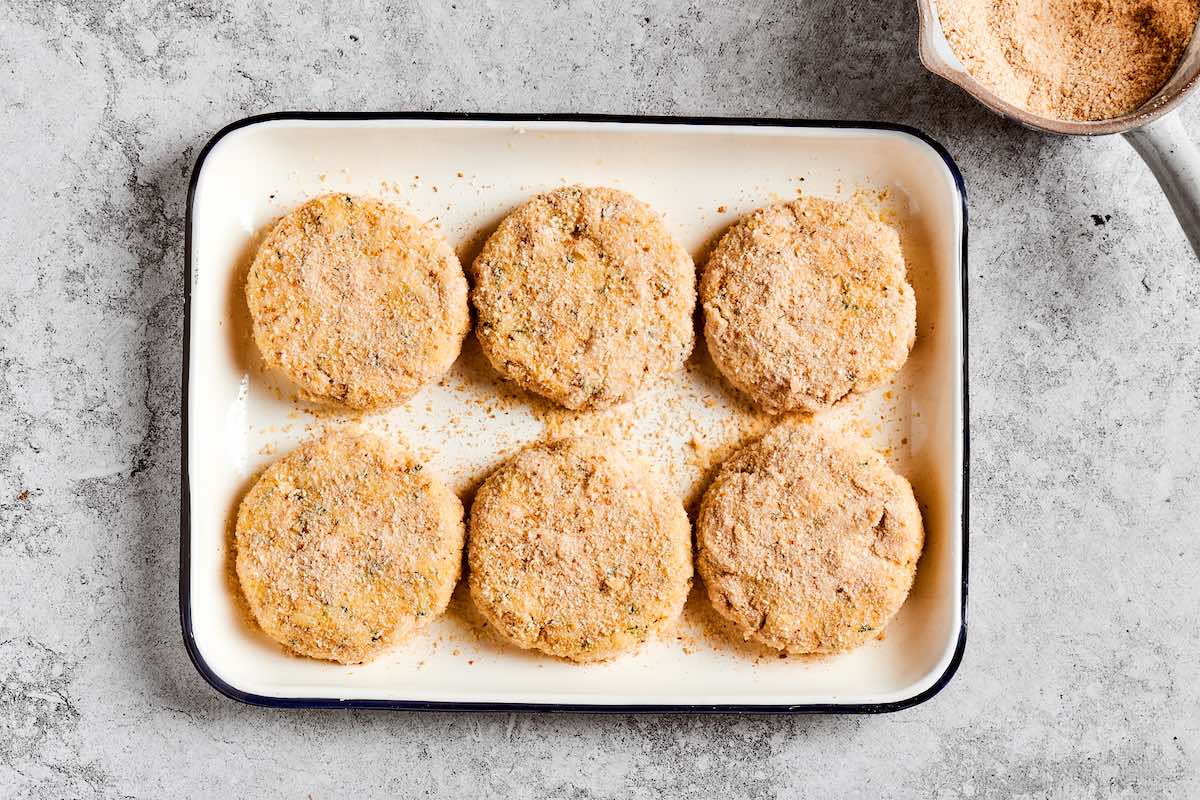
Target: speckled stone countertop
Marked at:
1082, 667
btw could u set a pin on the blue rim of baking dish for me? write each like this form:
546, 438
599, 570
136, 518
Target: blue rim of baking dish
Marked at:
185, 610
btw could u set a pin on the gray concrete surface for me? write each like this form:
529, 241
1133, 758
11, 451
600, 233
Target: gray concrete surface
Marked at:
1081, 673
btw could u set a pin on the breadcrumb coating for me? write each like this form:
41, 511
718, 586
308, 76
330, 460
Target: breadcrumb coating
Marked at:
345, 546
574, 552
358, 302
584, 297
806, 303
808, 542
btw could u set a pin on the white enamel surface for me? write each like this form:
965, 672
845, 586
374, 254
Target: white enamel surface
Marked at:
240, 419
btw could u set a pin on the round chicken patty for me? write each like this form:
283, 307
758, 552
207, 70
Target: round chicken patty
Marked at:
575, 553
357, 302
806, 303
808, 542
584, 297
345, 546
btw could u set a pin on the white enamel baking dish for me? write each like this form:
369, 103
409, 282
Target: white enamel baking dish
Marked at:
467, 171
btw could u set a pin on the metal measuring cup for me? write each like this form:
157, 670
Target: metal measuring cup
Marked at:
1157, 134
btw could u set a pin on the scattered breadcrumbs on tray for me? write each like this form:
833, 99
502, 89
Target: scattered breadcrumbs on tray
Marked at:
684, 426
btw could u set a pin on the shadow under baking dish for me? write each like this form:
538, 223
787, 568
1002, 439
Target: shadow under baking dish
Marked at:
466, 171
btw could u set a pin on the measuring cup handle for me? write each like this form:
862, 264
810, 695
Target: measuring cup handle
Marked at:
1175, 161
